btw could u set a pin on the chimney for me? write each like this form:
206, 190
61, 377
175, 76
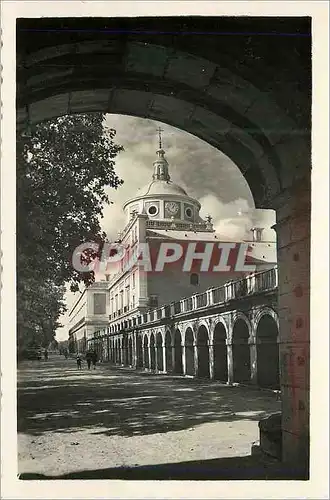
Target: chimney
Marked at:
257, 233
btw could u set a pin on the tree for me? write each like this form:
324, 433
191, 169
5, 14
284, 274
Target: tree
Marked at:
63, 169
39, 308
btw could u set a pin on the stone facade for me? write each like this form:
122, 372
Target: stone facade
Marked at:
219, 335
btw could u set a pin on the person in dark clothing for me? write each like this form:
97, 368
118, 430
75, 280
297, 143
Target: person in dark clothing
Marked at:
94, 359
89, 359
46, 355
78, 361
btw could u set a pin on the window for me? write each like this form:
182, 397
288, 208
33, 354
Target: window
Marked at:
152, 210
153, 301
133, 280
99, 303
194, 279
189, 212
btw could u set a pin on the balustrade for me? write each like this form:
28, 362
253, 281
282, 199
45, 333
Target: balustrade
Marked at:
187, 304
218, 295
201, 300
253, 283
167, 311
177, 307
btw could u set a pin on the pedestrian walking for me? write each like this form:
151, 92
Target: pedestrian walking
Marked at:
94, 359
46, 355
78, 361
89, 359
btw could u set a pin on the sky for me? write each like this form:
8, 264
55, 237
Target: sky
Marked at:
202, 170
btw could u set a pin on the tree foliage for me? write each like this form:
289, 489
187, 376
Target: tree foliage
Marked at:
63, 170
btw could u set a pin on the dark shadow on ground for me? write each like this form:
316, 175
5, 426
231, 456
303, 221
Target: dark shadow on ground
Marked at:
54, 396
236, 468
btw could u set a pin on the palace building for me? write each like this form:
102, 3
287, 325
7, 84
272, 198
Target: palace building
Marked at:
161, 213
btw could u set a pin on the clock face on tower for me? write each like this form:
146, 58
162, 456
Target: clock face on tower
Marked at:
172, 207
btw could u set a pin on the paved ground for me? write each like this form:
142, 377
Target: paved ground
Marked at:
118, 423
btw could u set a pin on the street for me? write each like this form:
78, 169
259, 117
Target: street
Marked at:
119, 423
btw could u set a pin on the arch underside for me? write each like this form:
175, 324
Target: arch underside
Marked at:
213, 100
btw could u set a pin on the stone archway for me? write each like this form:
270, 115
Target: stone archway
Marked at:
245, 113
152, 352
159, 352
267, 352
203, 355
139, 352
241, 352
178, 366
189, 352
168, 352
220, 358
145, 352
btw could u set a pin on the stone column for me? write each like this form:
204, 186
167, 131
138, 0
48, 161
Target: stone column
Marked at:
195, 359
184, 368
143, 354
108, 345
149, 355
134, 347
211, 358
173, 356
164, 357
293, 247
230, 361
253, 360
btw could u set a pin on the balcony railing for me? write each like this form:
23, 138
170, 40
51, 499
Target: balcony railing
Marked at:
187, 304
177, 307
201, 300
188, 226
218, 295
254, 283
250, 285
266, 280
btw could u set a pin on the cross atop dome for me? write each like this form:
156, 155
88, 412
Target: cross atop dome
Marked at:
160, 165
160, 130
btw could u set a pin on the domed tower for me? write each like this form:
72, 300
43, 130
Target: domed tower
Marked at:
166, 204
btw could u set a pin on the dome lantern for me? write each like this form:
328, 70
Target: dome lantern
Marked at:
161, 172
